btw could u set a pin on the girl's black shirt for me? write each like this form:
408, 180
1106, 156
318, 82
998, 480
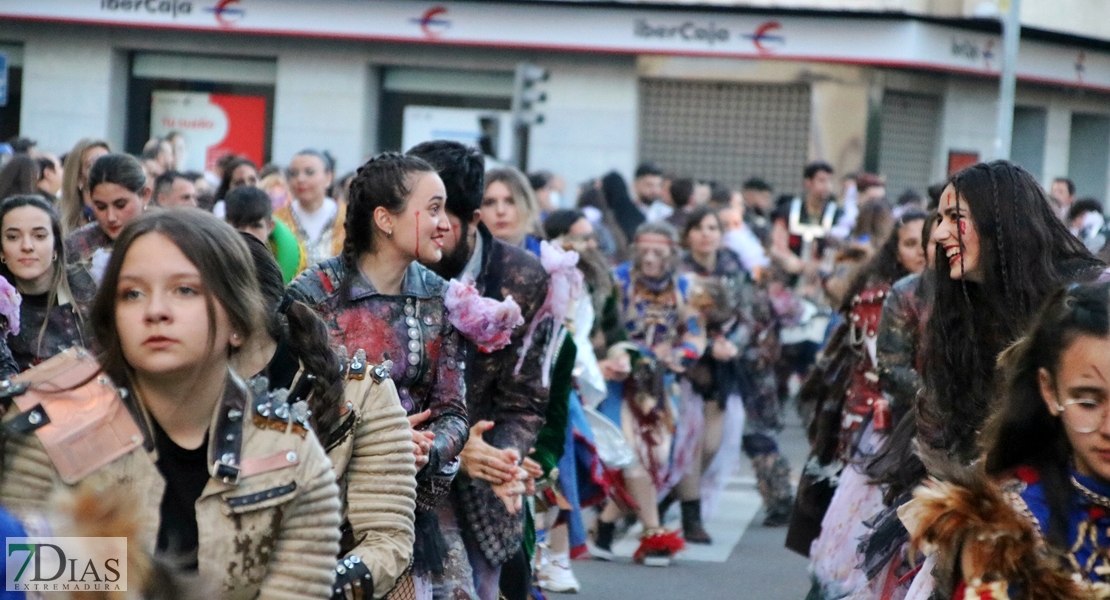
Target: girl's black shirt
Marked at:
186, 474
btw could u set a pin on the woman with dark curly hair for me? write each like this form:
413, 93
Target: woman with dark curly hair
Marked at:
1000, 252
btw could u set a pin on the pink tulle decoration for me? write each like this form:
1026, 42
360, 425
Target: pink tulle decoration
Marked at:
563, 290
9, 305
484, 321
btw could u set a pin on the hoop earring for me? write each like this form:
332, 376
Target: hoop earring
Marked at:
55, 258
389, 233
3, 260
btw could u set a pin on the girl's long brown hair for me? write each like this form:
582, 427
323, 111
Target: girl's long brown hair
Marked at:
225, 267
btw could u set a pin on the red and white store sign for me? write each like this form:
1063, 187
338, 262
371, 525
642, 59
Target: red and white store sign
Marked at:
214, 125
631, 30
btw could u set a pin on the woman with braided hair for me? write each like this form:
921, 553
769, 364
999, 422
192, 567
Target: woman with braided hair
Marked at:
358, 418
377, 298
1001, 251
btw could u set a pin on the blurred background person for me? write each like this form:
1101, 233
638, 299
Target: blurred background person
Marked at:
19, 176
174, 190
509, 209
50, 176
76, 204
315, 218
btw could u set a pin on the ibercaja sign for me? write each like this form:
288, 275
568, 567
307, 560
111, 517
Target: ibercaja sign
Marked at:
65, 564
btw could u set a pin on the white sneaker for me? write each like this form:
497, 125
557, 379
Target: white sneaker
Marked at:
556, 576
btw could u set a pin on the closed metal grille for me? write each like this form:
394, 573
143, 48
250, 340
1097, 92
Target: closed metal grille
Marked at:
908, 142
726, 132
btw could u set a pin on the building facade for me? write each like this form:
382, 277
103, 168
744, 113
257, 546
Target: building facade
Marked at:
713, 90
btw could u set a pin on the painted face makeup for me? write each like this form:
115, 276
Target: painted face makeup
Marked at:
957, 236
654, 252
1079, 395
420, 230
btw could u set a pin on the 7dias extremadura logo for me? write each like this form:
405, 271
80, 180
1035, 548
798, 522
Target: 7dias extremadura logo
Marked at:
65, 564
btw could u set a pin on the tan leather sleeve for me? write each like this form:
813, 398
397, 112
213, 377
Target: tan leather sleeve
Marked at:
28, 477
381, 483
303, 563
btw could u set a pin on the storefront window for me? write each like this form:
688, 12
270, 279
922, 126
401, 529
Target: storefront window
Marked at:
471, 107
9, 111
221, 106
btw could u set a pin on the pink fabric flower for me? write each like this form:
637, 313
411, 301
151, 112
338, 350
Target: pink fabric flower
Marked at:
566, 280
485, 321
9, 305
563, 289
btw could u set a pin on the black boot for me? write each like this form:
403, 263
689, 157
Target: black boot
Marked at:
603, 542
692, 528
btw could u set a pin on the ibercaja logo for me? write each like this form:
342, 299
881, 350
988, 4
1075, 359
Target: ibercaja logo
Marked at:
65, 564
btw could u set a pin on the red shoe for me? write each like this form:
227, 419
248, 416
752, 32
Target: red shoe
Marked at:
658, 547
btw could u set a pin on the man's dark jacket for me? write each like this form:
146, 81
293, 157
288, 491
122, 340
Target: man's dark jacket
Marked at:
516, 403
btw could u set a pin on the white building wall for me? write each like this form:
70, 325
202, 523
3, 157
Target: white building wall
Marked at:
1057, 137
969, 118
70, 90
590, 119
321, 102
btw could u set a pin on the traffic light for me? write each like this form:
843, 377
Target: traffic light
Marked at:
528, 99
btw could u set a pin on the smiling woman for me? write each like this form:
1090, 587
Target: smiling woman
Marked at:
376, 297
56, 299
119, 193
1004, 252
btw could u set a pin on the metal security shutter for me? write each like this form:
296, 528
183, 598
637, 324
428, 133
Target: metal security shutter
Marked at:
908, 141
726, 132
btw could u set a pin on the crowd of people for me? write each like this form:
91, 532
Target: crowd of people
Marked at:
426, 379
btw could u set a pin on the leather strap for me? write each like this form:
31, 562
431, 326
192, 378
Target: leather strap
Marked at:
256, 465
351, 571
226, 448
27, 421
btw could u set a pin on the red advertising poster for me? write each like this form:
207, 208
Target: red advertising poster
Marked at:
213, 125
958, 161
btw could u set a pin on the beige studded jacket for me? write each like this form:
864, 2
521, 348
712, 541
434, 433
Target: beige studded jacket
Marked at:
268, 518
372, 453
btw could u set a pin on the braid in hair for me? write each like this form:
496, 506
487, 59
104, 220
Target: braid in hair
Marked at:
308, 341
349, 256
1000, 233
382, 182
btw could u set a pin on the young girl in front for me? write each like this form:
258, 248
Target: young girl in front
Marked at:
229, 482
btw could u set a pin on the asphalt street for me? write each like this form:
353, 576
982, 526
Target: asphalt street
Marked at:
746, 559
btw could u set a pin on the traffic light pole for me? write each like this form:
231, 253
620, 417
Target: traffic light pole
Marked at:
525, 99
